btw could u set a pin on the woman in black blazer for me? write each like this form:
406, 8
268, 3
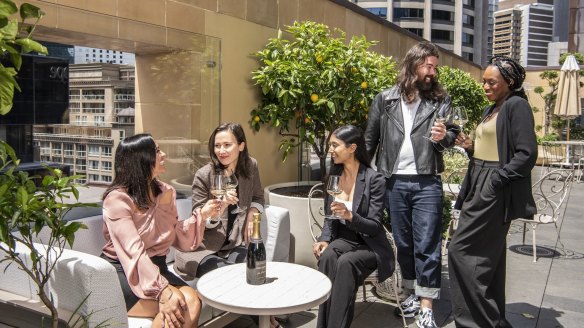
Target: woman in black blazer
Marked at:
352, 247
496, 190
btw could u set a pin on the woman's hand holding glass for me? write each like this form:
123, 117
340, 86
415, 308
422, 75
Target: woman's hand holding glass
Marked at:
231, 184
217, 189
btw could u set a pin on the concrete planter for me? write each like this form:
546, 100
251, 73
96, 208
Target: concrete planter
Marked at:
300, 236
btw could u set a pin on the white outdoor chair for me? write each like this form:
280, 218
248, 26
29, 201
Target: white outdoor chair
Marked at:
551, 193
391, 288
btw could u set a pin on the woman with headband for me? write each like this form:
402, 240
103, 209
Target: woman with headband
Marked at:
496, 190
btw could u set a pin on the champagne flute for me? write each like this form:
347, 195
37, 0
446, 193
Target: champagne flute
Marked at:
459, 116
231, 184
442, 116
218, 191
333, 188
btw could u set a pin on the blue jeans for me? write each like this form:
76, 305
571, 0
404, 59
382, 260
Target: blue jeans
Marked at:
415, 208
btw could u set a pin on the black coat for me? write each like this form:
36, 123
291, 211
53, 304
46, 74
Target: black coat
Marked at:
368, 205
517, 149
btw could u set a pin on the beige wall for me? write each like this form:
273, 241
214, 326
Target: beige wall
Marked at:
157, 29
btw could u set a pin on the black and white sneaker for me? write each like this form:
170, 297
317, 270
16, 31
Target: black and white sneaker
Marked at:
410, 307
426, 319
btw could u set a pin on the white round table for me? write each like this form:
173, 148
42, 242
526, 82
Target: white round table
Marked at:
289, 288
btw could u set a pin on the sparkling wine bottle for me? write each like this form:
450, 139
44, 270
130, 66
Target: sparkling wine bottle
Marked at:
256, 255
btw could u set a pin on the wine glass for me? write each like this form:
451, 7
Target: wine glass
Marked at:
333, 188
218, 191
231, 184
459, 116
442, 116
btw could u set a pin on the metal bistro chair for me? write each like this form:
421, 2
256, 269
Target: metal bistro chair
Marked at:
451, 188
554, 156
389, 289
551, 194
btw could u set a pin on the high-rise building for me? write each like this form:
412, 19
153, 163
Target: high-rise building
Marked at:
460, 26
95, 55
524, 33
101, 113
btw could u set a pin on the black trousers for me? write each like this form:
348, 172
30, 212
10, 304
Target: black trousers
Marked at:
477, 254
347, 264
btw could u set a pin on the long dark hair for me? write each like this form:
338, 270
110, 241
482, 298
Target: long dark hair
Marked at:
350, 134
134, 161
408, 76
243, 168
513, 73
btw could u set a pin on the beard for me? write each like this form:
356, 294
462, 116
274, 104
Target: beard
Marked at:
425, 85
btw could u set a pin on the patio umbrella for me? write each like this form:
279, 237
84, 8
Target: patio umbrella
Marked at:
568, 102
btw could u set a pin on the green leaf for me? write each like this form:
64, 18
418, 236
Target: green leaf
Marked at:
29, 11
10, 30
29, 45
7, 8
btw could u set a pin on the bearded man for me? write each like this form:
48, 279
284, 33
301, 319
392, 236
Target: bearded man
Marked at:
408, 127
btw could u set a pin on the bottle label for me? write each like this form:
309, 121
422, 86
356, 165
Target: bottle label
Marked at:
257, 276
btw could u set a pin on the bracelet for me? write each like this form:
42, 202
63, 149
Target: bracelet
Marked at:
167, 299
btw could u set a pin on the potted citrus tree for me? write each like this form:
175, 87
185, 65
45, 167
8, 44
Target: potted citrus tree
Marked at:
316, 82
311, 83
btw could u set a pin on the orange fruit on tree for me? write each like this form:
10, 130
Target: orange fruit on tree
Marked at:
364, 85
256, 118
307, 120
354, 69
314, 97
318, 58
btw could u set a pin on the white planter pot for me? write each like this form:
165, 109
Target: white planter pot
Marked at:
300, 237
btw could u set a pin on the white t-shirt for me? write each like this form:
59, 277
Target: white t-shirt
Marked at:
406, 163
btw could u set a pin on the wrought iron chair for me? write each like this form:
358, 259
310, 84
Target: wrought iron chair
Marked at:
554, 156
391, 288
451, 188
551, 194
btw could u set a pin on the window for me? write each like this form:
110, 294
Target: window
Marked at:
417, 31
106, 166
106, 178
68, 149
106, 151
94, 165
468, 20
443, 15
408, 13
93, 150
81, 151
467, 39
99, 120
381, 12
442, 35
122, 135
93, 178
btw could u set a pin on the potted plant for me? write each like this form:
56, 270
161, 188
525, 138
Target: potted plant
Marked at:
316, 82
27, 205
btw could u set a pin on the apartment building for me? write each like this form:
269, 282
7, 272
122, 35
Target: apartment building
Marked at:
524, 33
96, 55
460, 26
100, 114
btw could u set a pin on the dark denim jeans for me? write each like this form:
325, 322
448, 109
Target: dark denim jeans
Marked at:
415, 209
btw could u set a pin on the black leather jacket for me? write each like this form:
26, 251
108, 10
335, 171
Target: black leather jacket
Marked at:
385, 128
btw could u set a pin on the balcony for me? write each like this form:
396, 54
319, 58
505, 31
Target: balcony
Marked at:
124, 97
